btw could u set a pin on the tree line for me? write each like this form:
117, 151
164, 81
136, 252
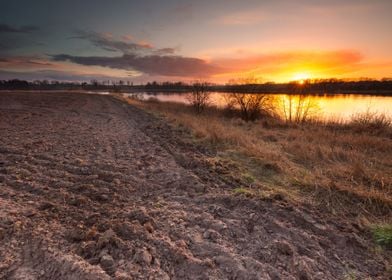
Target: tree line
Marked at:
316, 86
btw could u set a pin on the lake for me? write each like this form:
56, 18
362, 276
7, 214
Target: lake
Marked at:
336, 106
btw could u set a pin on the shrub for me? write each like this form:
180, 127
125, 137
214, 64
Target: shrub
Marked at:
370, 120
251, 106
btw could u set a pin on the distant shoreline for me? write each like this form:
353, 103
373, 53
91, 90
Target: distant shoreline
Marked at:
386, 93
306, 87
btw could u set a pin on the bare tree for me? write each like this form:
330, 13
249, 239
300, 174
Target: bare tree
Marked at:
199, 97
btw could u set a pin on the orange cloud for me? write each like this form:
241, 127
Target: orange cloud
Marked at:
25, 62
284, 66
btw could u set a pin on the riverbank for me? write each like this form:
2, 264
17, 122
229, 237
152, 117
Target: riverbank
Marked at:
347, 166
94, 188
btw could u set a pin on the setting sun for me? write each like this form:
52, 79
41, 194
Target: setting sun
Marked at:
301, 77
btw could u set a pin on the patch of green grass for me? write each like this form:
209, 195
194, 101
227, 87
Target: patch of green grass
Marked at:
383, 234
248, 178
242, 190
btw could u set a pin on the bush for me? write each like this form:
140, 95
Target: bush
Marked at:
372, 121
251, 106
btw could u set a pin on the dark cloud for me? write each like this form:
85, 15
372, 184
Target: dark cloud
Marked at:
126, 46
53, 75
167, 65
164, 51
108, 43
5, 28
141, 57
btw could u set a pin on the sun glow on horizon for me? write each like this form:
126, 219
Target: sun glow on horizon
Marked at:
301, 77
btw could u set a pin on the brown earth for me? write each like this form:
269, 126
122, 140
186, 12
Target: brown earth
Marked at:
92, 188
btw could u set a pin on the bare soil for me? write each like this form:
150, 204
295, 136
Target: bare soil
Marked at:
93, 188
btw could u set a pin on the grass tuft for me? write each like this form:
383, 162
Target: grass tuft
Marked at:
243, 191
383, 235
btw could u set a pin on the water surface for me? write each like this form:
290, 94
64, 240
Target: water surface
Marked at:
337, 106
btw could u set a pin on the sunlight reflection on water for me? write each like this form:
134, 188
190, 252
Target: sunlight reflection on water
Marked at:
334, 107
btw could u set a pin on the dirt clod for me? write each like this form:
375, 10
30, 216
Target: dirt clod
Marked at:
284, 247
106, 262
107, 238
76, 234
143, 257
148, 226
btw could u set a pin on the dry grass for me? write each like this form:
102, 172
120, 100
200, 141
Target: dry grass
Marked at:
341, 166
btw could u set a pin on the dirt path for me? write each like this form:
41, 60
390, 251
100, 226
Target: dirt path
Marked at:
91, 188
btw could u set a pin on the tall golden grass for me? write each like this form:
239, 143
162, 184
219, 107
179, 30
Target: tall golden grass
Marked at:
339, 165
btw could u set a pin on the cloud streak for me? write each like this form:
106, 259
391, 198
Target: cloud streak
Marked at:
150, 64
56, 75
127, 45
23, 62
108, 43
139, 56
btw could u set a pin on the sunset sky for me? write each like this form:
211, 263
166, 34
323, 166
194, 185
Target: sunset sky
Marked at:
219, 40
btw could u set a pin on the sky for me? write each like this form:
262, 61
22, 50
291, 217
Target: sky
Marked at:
215, 40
